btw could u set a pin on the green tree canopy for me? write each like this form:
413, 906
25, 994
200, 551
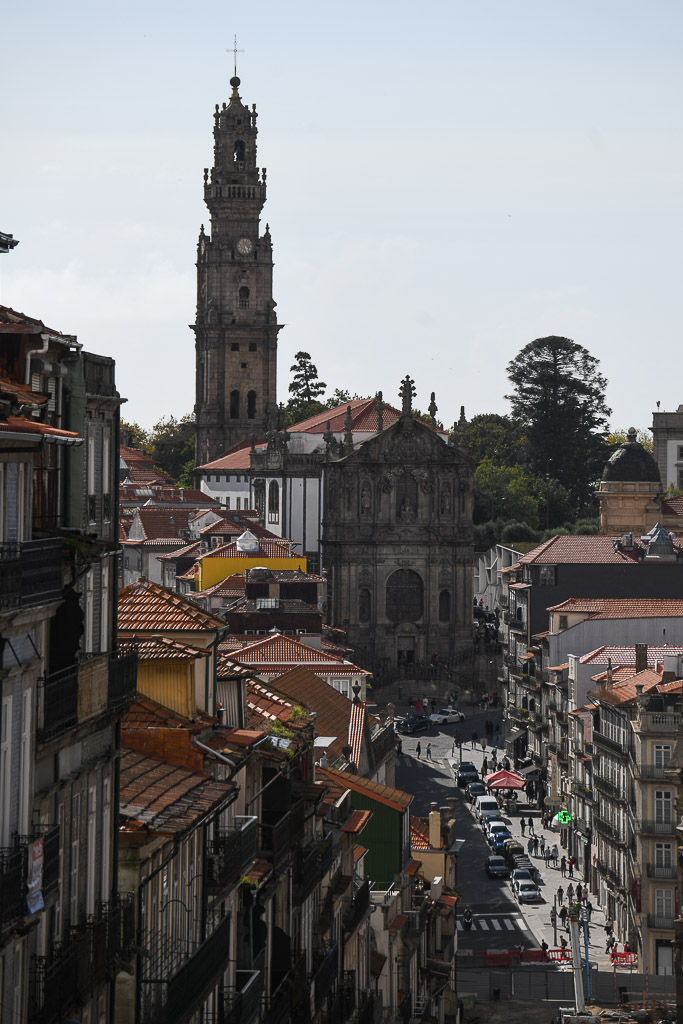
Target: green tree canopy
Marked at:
615, 438
172, 446
305, 390
559, 402
495, 437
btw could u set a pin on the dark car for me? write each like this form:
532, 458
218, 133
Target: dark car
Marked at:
474, 790
466, 773
496, 867
498, 842
414, 723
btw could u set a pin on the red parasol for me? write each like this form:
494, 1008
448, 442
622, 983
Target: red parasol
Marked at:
505, 780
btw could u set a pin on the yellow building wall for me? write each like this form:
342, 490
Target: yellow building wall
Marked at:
169, 683
215, 570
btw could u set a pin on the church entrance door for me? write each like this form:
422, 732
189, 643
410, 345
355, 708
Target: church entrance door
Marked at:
406, 651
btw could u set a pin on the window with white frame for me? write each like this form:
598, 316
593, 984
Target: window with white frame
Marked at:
663, 806
104, 607
25, 759
664, 903
75, 857
664, 855
105, 885
91, 879
89, 595
662, 754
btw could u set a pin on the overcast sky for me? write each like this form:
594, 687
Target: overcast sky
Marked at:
447, 180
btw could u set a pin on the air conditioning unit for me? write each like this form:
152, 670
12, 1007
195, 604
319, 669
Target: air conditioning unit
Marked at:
436, 888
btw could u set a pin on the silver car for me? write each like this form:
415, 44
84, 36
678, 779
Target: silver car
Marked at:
527, 892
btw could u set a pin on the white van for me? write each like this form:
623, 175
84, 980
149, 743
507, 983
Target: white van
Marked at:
485, 805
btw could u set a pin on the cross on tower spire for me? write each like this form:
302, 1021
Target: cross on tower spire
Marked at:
235, 51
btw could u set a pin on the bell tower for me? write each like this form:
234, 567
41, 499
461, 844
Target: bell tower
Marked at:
236, 327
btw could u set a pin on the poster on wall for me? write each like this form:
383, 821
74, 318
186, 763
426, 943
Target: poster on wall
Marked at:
34, 877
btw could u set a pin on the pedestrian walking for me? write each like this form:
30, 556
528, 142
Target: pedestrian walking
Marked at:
570, 865
535, 846
544, 948
506, 764
523, 827
563, 866
418, 748
542, 843
530, 846
563, 942
609, 927
474, 738
547, 854
609, 944
560, 894
589, 909
556, 854
429, 751
399, 746
485, 765
531, 824
570, 892
494, 754
483, 744
563, 916
579, 892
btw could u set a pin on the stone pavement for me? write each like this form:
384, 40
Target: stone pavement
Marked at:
550, 878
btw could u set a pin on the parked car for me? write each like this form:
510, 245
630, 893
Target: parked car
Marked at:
466, 773
527, 892
495, 827
414, 723
496, 867
474, 790
499, 841
521, 875
485, 805
447, 716
513, 850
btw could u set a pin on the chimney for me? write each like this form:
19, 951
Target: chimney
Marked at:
641, 657
608, 681
434, 828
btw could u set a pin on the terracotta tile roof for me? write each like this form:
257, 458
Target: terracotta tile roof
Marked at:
357, 822
232, 460
187, 551
363, 415
358, 852
622, 607
673, 506
286, 576
419, 834
413, 867
622, 692
17, 424
145, 713
141, 473
275, 655
226, 525
394, 798
14, 322
264, 701
580, 549
619, 673
675, 686
226, 668
626, 654
146, 607
22, 394
268, 548
356, 726
161, 522
130, 454
158, 648
163, 798
398, 922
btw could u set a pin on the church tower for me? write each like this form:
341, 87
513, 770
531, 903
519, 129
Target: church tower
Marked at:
236, 327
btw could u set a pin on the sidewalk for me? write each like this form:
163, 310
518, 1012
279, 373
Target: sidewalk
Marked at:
550, 878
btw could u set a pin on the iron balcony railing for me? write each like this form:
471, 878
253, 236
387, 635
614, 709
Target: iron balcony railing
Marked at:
54, 983
645, 770
309, 867
405, 1008
30, 573
12, 884
600, 740
277, 840
607, 829
383, 742
231, 852
123, 675
607, 787
663, 922
417, 918
662, 871
242, 1003
655, 826
325, 973
359, 905
609, 873
60, 703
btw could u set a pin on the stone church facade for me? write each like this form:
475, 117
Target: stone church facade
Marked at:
397, 542
236, 327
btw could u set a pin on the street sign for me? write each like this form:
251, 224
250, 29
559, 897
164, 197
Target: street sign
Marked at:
552, 801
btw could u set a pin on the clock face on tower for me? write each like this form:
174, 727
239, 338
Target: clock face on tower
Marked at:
244, 246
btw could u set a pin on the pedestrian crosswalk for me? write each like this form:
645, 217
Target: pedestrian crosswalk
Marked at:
496, 924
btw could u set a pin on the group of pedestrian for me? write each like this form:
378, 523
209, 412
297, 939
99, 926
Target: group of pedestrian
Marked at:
530, 825
428, 751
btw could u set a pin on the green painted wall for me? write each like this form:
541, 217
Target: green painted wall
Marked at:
382, 837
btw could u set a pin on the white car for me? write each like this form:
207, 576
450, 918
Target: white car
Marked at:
527, 892
447, 716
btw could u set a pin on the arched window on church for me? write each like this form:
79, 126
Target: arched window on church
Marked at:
445, 606
234, 405
364, 605
260, 498
405, 596
238, 152
273, 502
406, 495
244, 297
251, 405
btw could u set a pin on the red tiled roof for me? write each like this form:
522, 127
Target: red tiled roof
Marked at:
17, 424
145, 713
187, 551
626, 654
356, 730
622, 607
267, 548
673, 506
419, 834
363, 415
160, 797
157, 648
285, 650
14, 322
580, 549
162, 522
398, 922
397, 799
357, 822
358, 852
622, 692
265, 702
233, 460
147, 607
22, 393
227, 525
413, 867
